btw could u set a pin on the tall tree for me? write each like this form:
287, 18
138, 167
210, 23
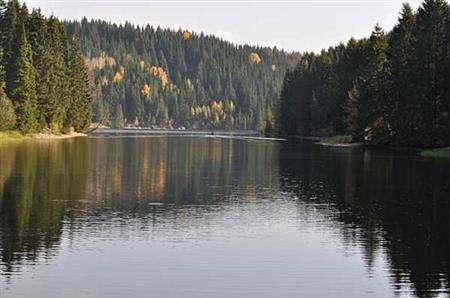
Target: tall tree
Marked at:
430, 55
23, 86
368, 99
402, 110
10, 31
79, 113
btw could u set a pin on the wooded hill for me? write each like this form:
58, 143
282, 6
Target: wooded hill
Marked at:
389, 89
153, 77
43, 79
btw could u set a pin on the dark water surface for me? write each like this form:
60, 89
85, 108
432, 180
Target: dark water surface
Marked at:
193, 216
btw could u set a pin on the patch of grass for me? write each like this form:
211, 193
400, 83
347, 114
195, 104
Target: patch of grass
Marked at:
13, 136
440, 152
339, 140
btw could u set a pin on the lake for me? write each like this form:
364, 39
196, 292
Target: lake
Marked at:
123, 215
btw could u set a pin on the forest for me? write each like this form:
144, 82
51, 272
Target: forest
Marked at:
44, 82
392, 88
161, 78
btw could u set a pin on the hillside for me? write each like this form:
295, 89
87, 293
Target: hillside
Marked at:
164, 78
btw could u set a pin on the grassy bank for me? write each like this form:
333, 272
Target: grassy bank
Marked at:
440, 152
13, 136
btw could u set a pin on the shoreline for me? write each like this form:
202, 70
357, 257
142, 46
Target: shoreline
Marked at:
436, 153
14, 136
334, 141
340, 145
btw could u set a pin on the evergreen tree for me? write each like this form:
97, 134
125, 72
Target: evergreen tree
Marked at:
394, 87
377, 89
23, 87
402, 114
430, 54
10, 31
79, 114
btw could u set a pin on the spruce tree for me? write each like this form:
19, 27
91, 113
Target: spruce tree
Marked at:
52, 76
79, 113
368, 100
402, 111
430, 47
10, 30
23, 84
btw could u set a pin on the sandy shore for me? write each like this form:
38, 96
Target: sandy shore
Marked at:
49, 136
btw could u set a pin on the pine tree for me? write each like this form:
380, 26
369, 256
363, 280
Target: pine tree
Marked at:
430, 46
23, 84
10, 30
52, 76
402, 112
368, 100
79, 114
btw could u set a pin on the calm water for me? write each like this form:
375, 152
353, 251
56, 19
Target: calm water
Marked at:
193, 216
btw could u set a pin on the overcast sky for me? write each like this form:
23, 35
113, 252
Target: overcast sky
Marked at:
290, 24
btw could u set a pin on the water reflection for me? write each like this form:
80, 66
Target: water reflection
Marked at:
395, 203
59, 197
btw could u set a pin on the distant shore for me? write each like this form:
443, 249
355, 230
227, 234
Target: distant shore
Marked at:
174, 131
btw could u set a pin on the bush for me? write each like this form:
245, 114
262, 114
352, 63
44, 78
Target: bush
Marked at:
7, 114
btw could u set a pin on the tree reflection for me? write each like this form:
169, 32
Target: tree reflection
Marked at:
398, 203
50, 188
384, 203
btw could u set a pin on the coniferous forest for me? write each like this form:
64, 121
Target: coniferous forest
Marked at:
43, 78
153, 77
389, 89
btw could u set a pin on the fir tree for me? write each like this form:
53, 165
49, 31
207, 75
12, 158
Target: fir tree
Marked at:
23, 87
79, 113
430, 46
402, 111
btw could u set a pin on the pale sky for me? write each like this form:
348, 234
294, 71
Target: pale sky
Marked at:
299, 25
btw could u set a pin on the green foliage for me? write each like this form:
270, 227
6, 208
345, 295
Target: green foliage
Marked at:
35, 53
181, 71
80, 113
7, 114
388, 89
441, 153
23, 87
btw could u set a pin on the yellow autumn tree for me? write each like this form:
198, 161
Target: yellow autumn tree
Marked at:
118, 77
146, 91
158, 72
186, 35
254, 58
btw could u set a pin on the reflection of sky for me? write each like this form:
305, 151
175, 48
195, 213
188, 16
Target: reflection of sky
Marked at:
281, 248
291, 24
